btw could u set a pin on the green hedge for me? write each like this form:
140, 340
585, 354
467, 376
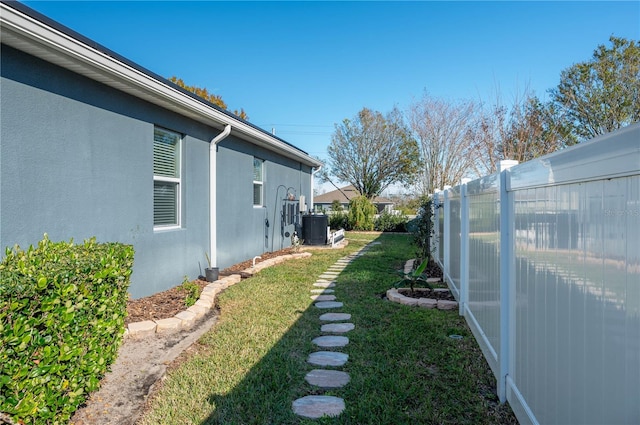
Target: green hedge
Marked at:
62, 310
387, 222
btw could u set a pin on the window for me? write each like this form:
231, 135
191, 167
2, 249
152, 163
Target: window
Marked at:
166, 178
258, 181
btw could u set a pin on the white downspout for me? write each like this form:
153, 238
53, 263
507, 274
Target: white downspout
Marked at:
213, 201
313, 173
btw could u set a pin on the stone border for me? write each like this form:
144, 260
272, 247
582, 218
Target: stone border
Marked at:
187, 318
394, 296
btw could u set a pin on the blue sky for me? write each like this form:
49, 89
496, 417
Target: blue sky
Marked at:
301, 67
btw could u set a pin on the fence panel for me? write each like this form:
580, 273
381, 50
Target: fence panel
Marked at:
483, 302
546, 260
453, 214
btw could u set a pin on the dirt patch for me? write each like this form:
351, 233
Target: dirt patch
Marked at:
133, 377
142, 363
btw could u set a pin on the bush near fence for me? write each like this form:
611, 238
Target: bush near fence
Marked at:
388, 222
62, 309
422, 228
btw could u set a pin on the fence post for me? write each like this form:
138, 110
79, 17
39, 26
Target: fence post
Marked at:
435, 229
507, 274
464, 249
447, 233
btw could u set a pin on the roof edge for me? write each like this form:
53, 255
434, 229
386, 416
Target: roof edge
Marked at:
32, 32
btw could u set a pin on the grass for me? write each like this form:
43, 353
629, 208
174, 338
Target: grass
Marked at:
404, 368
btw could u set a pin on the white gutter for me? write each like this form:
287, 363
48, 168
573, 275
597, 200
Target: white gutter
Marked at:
213, 200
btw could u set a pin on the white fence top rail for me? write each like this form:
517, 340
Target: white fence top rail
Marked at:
592, 160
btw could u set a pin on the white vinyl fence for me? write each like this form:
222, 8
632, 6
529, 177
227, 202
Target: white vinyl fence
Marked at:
544, 258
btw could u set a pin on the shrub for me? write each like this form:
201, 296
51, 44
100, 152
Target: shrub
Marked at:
422, 228
62, 309
361, 213
387, 222
339, 220
192, 291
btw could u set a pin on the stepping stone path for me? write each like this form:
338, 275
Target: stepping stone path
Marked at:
322, 291
338, 328
329, 304
323, 297
317, 406
327, 358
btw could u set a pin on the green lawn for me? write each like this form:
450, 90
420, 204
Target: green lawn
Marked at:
404, 368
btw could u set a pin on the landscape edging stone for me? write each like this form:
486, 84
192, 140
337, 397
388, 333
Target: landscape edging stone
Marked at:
203, 305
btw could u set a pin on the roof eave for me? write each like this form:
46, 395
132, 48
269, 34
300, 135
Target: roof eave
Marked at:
35, 37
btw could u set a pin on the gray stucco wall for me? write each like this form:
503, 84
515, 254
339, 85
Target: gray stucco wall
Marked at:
76, 161
242, 230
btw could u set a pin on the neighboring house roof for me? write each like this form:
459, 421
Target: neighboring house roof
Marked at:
344, 195
27, 30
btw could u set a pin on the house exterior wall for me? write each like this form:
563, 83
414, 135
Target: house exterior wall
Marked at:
242, 228
76, 161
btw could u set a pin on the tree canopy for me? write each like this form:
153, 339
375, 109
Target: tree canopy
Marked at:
522, 131
445, 133
209, 97
603, 94
373, 151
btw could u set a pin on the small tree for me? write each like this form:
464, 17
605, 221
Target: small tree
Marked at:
424, 229
373, 151
361, 213
602, 94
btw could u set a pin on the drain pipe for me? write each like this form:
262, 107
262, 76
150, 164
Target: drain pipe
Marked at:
213, 200
313, 173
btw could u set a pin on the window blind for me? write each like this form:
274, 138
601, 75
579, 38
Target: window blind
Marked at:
165, 201
165, 154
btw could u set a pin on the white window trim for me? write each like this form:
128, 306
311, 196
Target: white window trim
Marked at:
178, 181
261, 183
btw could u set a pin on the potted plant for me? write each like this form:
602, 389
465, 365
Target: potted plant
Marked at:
210, 273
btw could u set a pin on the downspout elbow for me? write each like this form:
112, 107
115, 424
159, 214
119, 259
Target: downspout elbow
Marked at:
220, 137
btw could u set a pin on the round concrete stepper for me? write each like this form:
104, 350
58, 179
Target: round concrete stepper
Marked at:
327, 378
338, 328
324, 284
334, 317
322, 291
326, 280
328, 304
328, 358
317, 406
330, 341
323, 297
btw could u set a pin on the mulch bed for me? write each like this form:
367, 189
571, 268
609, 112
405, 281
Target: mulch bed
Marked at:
427, 293
171, 302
